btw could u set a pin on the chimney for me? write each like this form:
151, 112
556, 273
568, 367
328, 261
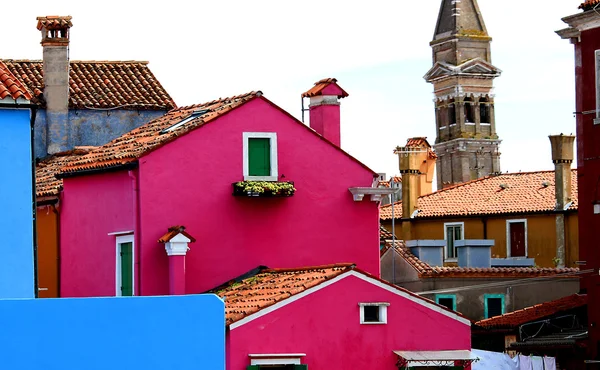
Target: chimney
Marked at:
410, 162
55, 41
562, 157
428, 251
427, 159
324, 108
474, 253
176, 242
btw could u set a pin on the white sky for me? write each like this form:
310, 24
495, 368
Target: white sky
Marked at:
378, 50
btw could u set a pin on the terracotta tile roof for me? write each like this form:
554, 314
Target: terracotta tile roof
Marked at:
271, 286
427, 271
527, 192
46, 184
384, 234
100, 84
173, 231
10, 86
386, 183
421, 142
539, 311
268, 287
321, 85
54, 22
589, 4
128, 148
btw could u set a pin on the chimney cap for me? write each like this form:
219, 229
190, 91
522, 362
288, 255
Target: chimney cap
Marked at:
54, 22
326, 86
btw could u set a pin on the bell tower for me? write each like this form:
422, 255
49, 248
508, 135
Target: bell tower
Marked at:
462, 75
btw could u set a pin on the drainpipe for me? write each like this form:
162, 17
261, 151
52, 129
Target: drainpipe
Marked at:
136, 229
58, 256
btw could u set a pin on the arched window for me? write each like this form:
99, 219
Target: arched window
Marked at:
451, 112
484, 110
469, 116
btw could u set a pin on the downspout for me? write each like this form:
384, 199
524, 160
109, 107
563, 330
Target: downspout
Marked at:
58, 256
136, 228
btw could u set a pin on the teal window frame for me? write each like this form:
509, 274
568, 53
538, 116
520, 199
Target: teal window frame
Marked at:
446, 296
485, 303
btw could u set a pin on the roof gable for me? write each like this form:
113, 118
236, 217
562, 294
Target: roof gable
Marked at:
476, 66
270, 290
516, 193
326, 86
99, 84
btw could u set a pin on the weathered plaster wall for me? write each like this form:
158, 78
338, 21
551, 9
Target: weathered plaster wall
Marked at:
189, 182
47, 233
92, 207
325, 325
91, 127
16, 253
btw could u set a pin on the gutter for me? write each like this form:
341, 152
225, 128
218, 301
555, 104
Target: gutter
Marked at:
94, 171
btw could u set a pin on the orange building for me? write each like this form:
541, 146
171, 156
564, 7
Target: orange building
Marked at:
48, 189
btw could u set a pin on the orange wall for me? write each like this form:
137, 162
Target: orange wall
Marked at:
541, 234
47, 237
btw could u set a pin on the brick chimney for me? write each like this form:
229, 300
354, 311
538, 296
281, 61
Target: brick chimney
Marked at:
324, 108
562, 157
55, 41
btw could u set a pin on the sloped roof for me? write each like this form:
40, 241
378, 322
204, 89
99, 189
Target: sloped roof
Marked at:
99, 84
421, 142
272, 286
54, 22
173, 231
46, 183
384, 234
526, 192
427, 271
10, 86
321, 85
589, 4
534, 313
146, 138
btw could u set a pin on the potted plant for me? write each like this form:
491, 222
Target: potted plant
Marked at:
264, 188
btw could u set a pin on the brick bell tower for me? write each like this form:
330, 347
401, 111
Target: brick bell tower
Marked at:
462, 75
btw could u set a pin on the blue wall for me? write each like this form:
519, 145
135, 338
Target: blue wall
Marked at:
16, 219
149, 333
91, 127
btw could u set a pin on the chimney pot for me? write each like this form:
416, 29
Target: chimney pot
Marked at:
562, 157
324, 108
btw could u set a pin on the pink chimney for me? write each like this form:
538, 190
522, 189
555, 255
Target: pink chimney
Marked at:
176, 242
324, 108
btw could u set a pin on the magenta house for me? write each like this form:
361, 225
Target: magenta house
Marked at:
258, 199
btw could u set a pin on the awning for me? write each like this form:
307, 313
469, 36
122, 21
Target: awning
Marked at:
435, 358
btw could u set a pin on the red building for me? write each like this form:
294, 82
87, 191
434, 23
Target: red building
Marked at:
584, 33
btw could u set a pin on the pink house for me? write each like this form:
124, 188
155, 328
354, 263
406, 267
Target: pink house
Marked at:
188, 168
337, 317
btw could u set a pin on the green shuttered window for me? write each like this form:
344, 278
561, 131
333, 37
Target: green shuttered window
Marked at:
277, 367
126, 255
259, 156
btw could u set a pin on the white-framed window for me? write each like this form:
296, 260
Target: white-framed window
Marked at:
516, 238
276, 361
597, 120
373, 313
260, 156
453, 231
125, 265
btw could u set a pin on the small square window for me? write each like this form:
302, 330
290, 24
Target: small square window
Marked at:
373, 313
493, 305
446, 300
260, 156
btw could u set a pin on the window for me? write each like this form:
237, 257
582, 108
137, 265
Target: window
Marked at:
446, 300
277, 367
493, 305
469, 110
192, 116
597, 120
373, 313
484, 111
451, 113
125, 266
516, 238
452, 232
260, 156
279, 361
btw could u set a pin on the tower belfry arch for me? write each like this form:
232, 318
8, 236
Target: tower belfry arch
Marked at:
467, 144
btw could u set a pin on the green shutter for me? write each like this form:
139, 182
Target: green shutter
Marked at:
253, 367
259, 157
301, 367
126, 269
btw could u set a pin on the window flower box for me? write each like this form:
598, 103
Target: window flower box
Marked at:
263, 188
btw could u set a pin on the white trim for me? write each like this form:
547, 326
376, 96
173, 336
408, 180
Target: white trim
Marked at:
400, 292
273, 141
382, 313
508, 222
462, 231
276, 359
121, 240
117, 233
597, 209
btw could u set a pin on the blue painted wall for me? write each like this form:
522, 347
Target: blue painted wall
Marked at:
149, 333
91, 127
16, 219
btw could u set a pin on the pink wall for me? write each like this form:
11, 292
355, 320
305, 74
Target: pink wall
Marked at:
92, 207
325, 119
188, 182
325, 326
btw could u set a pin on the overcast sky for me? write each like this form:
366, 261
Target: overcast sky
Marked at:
378, 51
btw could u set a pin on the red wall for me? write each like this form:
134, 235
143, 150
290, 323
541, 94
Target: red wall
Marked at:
189, 182
325, 325
588, 146
92, 207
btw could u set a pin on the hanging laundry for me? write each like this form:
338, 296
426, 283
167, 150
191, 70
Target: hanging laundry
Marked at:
549, 363
537, 363
525, 363
493, 361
